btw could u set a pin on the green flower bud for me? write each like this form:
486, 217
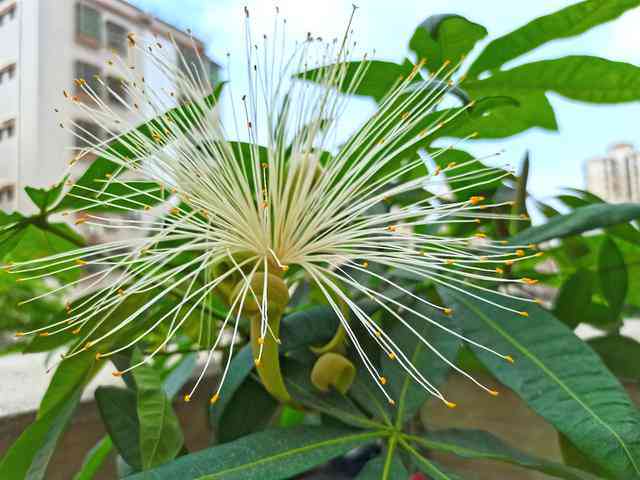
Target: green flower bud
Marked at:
333, 370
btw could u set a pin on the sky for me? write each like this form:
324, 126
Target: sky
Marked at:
557, 158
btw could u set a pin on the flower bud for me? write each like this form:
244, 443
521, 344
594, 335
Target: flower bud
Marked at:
333, 370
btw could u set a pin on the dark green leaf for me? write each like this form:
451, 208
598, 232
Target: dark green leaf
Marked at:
383, 468
580, 220
269, 455
478, 444
117, 408
558, 375
435, 471
568, 22
94, 459
574, 299
445, 37
620, 354
579, 77
613, 276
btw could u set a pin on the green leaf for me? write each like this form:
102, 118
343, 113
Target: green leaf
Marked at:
559, 377
478, 444
445, 37
379, 78
568, 22
117, 407
379, 468
94, 459
409, 395
579, 221
619, 354
269, 455
160, 434
435, 471
579, 77
46, 197
613, 276
574, 298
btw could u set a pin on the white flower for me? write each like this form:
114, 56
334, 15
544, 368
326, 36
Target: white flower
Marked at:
288, 201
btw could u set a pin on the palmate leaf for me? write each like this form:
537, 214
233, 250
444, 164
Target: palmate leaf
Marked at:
579, 221
269, 455
568, 22
559, 377
478, 444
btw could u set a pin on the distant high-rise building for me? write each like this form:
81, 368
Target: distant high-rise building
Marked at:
44, 46
615, 177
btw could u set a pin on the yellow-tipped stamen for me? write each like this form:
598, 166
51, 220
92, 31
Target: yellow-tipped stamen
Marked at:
450, 404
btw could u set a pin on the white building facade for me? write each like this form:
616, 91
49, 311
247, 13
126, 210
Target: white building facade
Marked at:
44, 46
615, 177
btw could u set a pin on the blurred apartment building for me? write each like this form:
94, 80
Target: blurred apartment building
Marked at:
44, 46
615, 177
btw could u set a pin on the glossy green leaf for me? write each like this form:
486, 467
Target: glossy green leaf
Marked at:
559, 377
478, 444
46, 197
160, 434
620, 354
568, 22
383, 468
579, 221
613, 276
269, 455
94, 459
579, 77
117, 407
574, 298
445, 37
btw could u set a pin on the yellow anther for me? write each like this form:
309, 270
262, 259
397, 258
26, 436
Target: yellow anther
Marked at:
81, 220
147, 208
483, 258
450, 404
76, 331
499, 271
391, 355
365, 264
508, 262
257, 362
20, 334
214, 399
480, 235
520, 253
80, 262
509, 358
260, 340
392, 228
187, 398
120, 291
88, 345
284, 268
98, 355
265, 204
264, 165
117, 373
44, 334
436, 172
451, 164
383, 380
539, 301
494, 393
476, 199
523, 313
539, 254
477, 220
378, 333
392, 402
447, 311
174, 211
449, 261
529, 281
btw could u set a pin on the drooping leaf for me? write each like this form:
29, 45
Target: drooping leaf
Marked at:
559, 377
445, 37
94, 459
117, 407
269, 455
613, 276
579, 221
619, 354
478, 444
160, 434
568, 22
574, 298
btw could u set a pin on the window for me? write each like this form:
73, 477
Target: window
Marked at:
7, 192
88, 25
7, 72
88, 73
87, 133
116, 37
8, 13
7, 129
116, 86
